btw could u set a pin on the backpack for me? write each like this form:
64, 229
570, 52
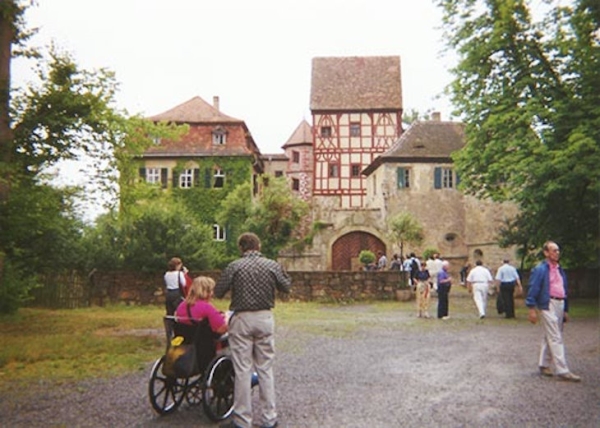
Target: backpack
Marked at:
414, 266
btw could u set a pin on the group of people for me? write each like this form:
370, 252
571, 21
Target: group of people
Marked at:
253, 279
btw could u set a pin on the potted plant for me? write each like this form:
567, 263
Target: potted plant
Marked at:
367, 258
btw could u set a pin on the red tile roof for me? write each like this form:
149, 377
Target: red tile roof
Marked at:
302, 135
195, 110
356, 83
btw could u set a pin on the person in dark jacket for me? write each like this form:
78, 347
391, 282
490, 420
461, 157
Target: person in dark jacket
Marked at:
547, 301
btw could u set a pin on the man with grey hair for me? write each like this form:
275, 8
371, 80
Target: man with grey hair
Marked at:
547, 301
478, 282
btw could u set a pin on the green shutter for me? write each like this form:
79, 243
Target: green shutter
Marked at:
437, 177
457, 180
164, 174
143, 173
400, 177
196, 173
175, 179
207, 176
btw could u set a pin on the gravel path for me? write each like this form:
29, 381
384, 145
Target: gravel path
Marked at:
395, 370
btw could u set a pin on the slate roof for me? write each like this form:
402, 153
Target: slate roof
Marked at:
195, 110
356, 83
424, 141
302, 135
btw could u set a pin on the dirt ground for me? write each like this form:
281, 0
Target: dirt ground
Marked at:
394, 370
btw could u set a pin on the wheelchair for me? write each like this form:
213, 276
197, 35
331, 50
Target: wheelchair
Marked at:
212, 385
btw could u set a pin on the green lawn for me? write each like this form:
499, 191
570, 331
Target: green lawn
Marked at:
62, 345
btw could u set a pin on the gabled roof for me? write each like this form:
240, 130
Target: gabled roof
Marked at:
424, 141
356, 83
195, 110
301, 136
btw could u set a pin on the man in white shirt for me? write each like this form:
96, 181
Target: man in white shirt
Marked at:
434, 266
478, 283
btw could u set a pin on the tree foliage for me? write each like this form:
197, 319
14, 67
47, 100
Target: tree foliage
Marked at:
528, 91
274, 214
405, 229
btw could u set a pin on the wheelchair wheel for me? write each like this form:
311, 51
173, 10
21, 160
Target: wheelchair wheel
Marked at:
165, 393
193, 393
217, 395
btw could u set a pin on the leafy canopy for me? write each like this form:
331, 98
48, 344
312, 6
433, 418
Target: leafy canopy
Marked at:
527, 86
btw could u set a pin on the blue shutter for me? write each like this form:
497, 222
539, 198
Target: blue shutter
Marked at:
400, 178
175, 179
457, 180
143, 173
437, 177
196, 173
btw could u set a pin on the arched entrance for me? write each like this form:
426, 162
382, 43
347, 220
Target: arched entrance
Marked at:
346, 248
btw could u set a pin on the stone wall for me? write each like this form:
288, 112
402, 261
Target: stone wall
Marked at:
137, 288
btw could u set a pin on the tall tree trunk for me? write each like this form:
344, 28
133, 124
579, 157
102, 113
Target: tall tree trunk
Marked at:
8, 10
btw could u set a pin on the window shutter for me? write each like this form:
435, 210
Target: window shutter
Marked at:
164, 176
207, 174
457, 180
437, 177
175, 179
196, 177
143, 173
400, 174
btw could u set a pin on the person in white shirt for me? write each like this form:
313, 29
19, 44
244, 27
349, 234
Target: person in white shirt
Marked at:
478, 283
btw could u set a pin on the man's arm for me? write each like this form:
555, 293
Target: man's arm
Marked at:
224, 283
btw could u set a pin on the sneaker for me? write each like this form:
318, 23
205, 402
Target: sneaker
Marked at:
481, 317
545, 371
447, 317
570, 377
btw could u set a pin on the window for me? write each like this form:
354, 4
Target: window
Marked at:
295, 184
186, 178
296, 157
355, 170
219, 136
443, 178
219, 178
278, 173
355, 129
403, 178
219, 233
153, 175
156, 141
334, 170
325, 131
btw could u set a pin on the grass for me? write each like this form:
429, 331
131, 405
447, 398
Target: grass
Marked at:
42, 345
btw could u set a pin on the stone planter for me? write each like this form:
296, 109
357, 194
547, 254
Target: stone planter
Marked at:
405, 295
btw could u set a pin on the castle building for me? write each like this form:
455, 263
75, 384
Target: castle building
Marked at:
355, 164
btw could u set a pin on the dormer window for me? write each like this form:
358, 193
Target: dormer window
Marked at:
219, 136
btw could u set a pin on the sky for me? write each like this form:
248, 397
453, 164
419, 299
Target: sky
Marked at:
255, 55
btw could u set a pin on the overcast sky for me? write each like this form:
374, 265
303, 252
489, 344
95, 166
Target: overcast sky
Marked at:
254, 54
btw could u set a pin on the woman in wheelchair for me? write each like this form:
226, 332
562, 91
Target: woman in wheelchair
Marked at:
199, 322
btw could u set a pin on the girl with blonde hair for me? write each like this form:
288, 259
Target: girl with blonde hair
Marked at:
197, 307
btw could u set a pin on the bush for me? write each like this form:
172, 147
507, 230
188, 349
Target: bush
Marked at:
366, 257
14, 289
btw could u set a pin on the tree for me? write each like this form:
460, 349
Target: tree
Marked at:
274, 214
528, 92
405, 229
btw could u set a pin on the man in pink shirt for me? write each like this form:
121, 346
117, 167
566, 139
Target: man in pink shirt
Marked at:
547, 300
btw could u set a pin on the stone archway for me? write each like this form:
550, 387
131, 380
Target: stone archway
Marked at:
347, 247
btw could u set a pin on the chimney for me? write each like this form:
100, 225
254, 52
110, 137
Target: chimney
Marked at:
437, 116
216, 102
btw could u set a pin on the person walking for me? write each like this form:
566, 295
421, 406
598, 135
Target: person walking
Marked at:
478, 283
381, 261
547, 301
422, 291
444, 283
252, 281
508, 277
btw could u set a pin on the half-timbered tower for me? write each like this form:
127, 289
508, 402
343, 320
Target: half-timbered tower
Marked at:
356, 105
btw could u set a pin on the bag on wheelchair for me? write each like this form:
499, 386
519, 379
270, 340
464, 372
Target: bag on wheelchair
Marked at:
180, 360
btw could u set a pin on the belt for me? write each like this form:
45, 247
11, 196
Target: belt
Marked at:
557, 298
